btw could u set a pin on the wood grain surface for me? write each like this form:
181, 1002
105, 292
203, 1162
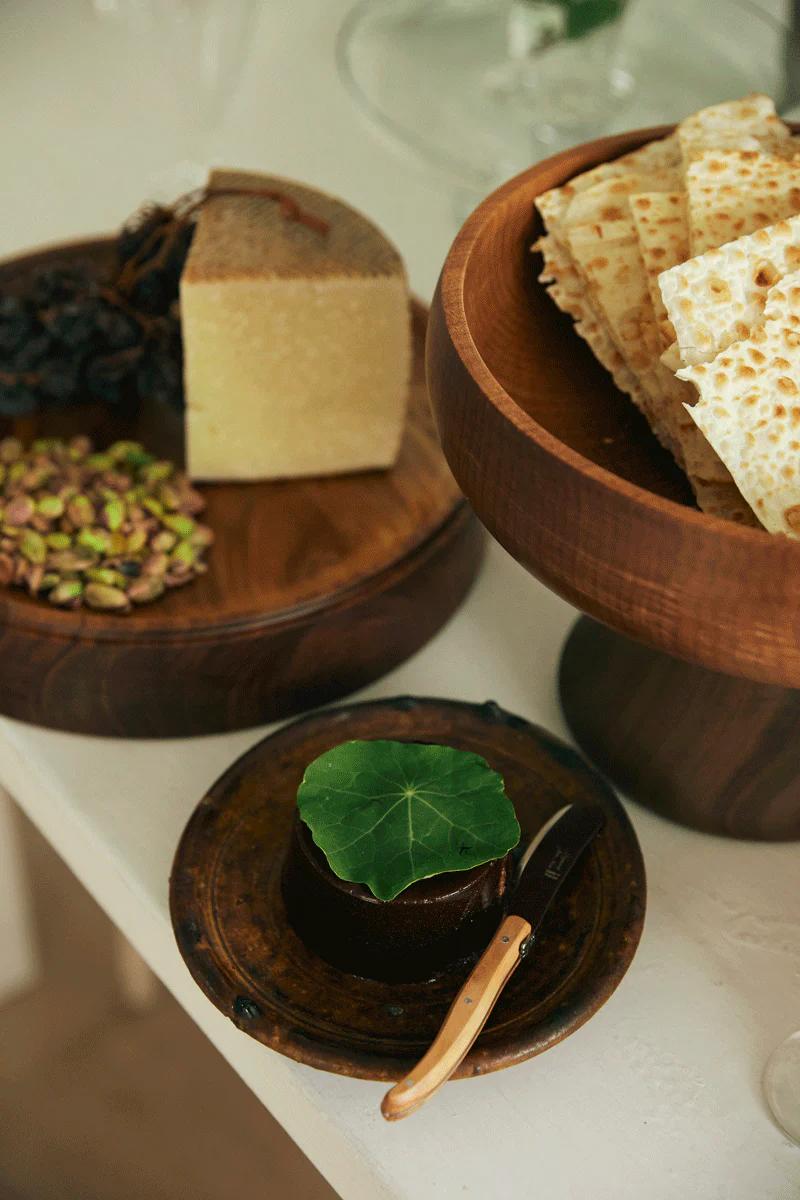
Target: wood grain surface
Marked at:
315, 587
232, 929
564, 472
714, 752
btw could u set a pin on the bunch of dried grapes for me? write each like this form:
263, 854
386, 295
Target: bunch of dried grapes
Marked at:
73, 338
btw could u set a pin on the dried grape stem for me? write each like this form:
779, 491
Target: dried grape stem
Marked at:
184, 209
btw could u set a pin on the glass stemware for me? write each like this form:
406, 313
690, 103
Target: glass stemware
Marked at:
477, 90
782, 1085
201, 47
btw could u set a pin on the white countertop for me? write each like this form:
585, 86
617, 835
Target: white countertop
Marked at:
658, 1096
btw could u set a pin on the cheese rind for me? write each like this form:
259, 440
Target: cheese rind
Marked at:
296, 343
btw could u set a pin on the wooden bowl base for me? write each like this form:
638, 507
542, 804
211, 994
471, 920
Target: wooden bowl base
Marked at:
316, 586
705, 749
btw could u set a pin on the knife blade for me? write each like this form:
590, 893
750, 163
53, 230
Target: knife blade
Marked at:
547, 862
548, 859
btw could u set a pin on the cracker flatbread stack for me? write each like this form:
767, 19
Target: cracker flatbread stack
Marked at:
595, 205
568, 291
595, 230
567, 288
661, 226
653, 156
609, 200
716, 298
747, 124
749, 409
617, 232
607, 257
734, 192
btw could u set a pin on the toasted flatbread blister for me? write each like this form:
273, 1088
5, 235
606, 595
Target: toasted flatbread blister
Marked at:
617, 258
653, 156
607, 257
609, 199
569, 292
731, 193
662, 229
747, 124
716, 298
749, 409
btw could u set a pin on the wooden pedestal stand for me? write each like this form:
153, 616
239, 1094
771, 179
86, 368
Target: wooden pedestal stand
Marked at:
564, 472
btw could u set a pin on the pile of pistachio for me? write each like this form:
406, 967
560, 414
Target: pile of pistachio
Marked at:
108, 530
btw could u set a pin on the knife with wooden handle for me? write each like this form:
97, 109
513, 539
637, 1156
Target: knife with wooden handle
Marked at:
546, 863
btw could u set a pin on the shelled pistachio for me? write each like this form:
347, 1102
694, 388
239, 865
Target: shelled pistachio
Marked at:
108, 530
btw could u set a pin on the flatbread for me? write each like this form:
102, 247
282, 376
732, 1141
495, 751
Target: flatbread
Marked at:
603, 317
569, 292
661, 227
726, 501
671, 358
734, 192
608, 199
653, 156
710, 479
749, 409
595, 271
607, 256
747, 124
716, 298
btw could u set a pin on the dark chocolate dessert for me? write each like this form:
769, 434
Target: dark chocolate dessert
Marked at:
428, 927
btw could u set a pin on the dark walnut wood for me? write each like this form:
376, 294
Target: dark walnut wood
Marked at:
316, 587
713, 752
231, 925
430, 925
563, 471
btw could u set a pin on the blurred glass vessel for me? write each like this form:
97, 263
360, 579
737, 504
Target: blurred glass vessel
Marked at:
480, 89
562, 64
202, 47
782, 1086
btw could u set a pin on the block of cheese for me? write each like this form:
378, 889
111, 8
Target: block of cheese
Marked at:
297, 344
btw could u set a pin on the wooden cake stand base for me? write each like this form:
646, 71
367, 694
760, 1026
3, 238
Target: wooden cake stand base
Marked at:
316, 587
712, 751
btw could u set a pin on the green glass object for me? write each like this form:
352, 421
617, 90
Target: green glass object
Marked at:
582, 16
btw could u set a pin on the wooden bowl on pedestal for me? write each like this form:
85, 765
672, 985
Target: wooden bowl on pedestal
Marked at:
699, 720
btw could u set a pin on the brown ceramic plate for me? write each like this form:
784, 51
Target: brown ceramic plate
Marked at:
232, 930
563, 470
315, 587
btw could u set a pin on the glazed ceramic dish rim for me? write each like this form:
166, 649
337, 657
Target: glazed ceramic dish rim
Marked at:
453, 277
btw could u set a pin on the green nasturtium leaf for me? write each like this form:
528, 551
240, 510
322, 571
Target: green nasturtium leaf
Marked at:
386, 814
